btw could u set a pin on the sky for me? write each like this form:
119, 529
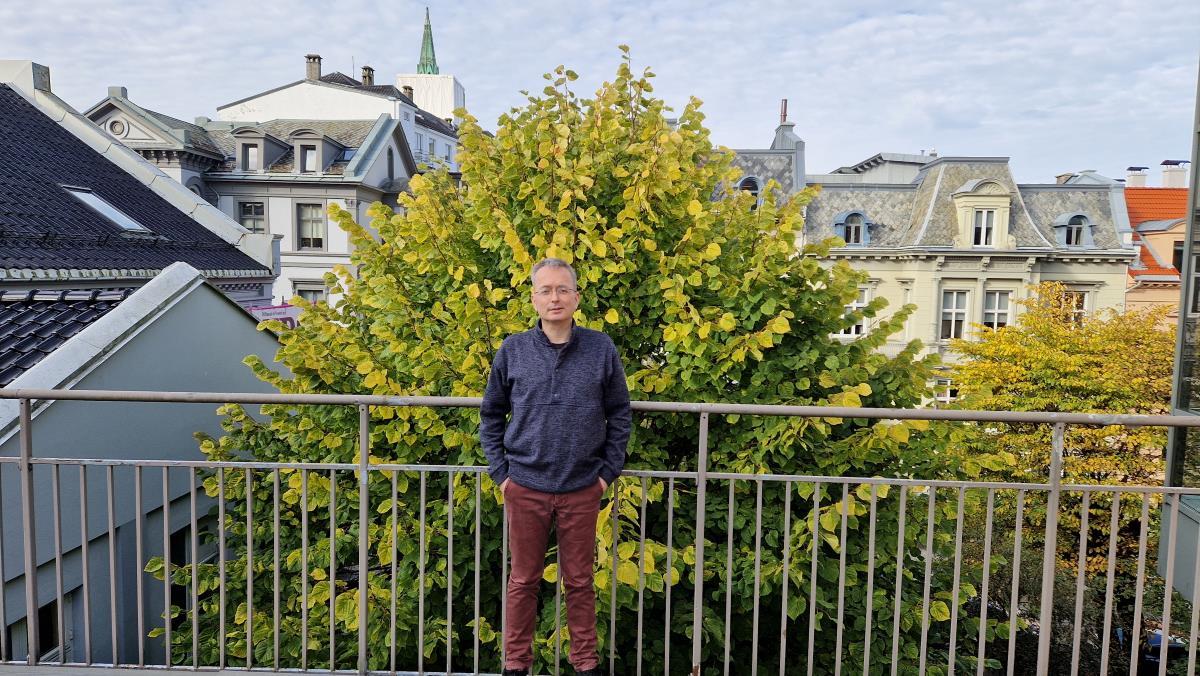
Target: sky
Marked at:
1055, 86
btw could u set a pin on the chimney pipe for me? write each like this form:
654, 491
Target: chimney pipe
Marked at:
1174, 174
408, 90
1135, 177
368, 76
783, 111
312, 66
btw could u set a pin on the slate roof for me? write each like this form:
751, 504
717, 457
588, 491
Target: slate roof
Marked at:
42, 226
349, 133
35, 323
1155, 204
767, 165
922, 214
338, 78
430, 121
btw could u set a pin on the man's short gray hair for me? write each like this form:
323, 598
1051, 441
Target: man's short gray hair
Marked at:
554, 263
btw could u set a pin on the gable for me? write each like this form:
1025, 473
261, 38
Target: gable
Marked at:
317, 100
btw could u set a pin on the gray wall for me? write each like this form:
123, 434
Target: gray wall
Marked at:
197, 345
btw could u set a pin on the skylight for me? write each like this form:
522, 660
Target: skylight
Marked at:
102, 207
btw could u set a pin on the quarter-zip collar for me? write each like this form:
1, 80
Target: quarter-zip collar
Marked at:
543, 339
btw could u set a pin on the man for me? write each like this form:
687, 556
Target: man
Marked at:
562, 447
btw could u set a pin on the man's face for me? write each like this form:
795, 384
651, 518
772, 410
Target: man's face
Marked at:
554, 295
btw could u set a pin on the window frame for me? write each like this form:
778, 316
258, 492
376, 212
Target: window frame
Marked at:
302, 286
855, 226
859, 328
247, 150
987, 228
308, 152
107, 210
300, 223
996, 312
958, 318
1080, 310
944, 391
260, 217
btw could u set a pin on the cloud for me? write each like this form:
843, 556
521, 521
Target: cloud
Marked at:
1055, 86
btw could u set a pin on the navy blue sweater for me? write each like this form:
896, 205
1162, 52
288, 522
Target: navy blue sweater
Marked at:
569, 410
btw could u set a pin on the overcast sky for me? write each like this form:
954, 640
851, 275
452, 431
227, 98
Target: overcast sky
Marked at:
1056, 86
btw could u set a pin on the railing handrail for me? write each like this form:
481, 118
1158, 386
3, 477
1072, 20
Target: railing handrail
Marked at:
962, 415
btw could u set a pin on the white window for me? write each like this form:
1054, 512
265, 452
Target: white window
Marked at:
308, 159
985, 226
432, 147
954, 314
1075, 230
859, 327
945, 391
1077, 302
309, 291
250, 157
995, 308
420, 147
854, 229
310, 220
102, 207
253, 216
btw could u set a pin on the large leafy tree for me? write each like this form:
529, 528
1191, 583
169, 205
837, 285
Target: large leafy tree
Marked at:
708, 295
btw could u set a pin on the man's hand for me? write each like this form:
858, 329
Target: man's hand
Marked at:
603, 485
504, 486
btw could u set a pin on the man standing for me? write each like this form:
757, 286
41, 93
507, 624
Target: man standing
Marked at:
564, 444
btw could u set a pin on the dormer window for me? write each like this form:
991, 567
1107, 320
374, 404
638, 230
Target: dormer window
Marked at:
101, 206
1073, 230
985, 227
250, 157
853, 227
308, 159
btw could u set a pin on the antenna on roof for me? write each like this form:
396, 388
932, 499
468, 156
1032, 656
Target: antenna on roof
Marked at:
782, 111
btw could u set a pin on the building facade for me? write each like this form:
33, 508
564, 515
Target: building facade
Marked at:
1158, 216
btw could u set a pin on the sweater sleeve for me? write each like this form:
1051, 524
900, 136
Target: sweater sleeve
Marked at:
493, 414
618, 416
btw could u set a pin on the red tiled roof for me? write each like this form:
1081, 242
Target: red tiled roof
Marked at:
1155, 204
1149, 266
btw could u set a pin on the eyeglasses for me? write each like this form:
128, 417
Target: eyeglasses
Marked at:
547, 290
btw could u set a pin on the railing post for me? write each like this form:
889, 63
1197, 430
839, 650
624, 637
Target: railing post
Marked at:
1050, 551
27, 518
701, 493
364, 458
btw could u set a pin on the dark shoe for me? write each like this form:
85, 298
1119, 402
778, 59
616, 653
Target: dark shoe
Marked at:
516, 672
594, 671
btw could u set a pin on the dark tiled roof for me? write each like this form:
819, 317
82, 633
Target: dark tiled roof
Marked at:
44, 227
349, 133
430, 121
35, 323
344, 80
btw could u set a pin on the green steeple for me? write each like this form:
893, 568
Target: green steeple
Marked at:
428, 63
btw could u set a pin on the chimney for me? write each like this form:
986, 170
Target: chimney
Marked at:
1135, 177
1063, 178
1174, 174
786, 139
408, 90
783, 111
202, 121
312, 66
118, 92
368, 76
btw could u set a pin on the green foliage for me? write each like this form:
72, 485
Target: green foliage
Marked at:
707, 299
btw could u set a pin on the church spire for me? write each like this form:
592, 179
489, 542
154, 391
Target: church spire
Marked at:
428, 63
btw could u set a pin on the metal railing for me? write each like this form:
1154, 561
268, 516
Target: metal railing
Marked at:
937, 548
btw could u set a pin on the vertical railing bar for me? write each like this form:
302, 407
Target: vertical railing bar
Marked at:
958, 537
421, 581
1195, 623
1080, 577
612, 580
728, 572
983, 587
1050, 551
86, 564
395, 555
332, 569
195, 569
925, 615
304, 571
112, 565
1135, 634
1014, 610
55, 499
641, 575
903, 512
166, 532
221, 567
841, 606
364, 539
787, 547
701, 495
870, 597
275, 567
1113, 525
5, 655
478, 544
1164, 643
249, 479
758, 508
812, 575
139, 567
29, 522
670, 573
450, 569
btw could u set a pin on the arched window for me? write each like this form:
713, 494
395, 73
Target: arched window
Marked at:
1074, 232
1074, 229
751, 185
854, 229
